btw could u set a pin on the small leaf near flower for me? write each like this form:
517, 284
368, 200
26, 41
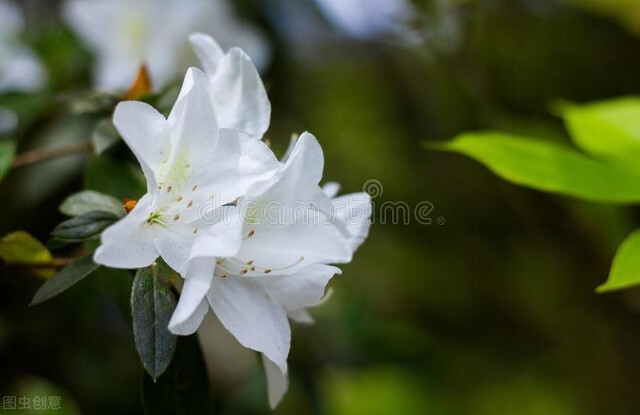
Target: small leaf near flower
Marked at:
152, 304
67, 277
86, 226
90, 201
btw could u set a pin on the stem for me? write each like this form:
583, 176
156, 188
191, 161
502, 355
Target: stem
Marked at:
36, 156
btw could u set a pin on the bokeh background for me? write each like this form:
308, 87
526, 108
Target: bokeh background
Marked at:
488, 310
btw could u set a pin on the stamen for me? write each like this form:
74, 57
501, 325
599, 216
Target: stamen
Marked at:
250, 262
169, 188
195, 231
244, 271
267, 271
195, 186
176, 217
223, 276
190, 203
249, 235
179, 199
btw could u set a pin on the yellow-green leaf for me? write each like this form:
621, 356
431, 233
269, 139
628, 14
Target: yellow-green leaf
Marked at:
547, 166
20, 248
608, 130
625, 271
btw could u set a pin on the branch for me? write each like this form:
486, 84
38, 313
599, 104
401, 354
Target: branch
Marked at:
36, 156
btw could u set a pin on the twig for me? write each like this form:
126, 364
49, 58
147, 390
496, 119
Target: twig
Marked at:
36, 156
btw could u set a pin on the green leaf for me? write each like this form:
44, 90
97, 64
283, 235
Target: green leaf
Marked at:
547, 166
104, 136
83, 227
67, 277
20, 248
152, 304
7, 154
625, 271
609, 130
184, 387
90, 201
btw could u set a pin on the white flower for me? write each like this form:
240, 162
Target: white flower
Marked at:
20, 69
189, 164
126, 33
289, 238
239, 96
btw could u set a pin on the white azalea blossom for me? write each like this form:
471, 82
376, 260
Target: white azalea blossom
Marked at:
20, 69
292, 231
188, 161
127, 33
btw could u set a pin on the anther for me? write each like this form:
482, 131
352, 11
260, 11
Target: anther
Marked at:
129, 204
169, 188
179, 199
176, 217
195, 231
190, 203
250, 262
195, 186
244, 271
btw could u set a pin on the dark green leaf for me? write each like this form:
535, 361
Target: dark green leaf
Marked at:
83, 227
547, 166
67, 277
152, 304
89, 201
625, 271
184, 387
7, 154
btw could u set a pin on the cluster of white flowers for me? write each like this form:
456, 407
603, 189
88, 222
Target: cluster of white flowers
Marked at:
207, 213
126, 33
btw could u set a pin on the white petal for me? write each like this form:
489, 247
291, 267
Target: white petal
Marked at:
298, 177
305, 288
129, 242
277, 382
221, 239
193, 306
218, 235
301, 316
209, 53
193, 123
286, 245
255, 319
144, 130
331, 189
239, 95
353, 213
239, 162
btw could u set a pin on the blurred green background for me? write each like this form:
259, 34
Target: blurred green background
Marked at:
489, 310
